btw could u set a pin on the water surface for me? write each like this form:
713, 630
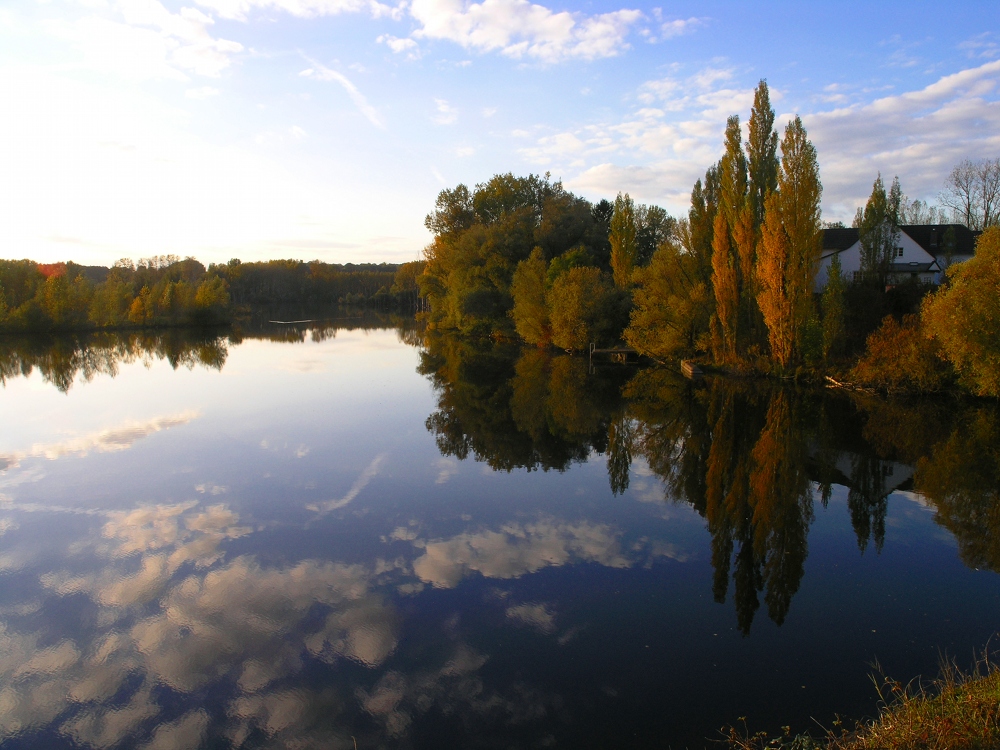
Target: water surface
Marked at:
309, 537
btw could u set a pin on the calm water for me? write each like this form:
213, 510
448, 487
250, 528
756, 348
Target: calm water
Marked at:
315, 537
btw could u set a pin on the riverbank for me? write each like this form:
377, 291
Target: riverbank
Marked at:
958, 711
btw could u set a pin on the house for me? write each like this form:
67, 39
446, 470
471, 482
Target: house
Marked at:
923, 252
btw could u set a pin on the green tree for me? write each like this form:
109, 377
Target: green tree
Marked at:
480, 238
878, 233
833, 310
654, 226
762, 152
579, 302
623, 240
673, 306
725, 283
530, 311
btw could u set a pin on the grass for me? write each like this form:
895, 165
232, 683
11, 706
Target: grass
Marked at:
958, 711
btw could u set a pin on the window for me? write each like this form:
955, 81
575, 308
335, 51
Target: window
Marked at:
899, 252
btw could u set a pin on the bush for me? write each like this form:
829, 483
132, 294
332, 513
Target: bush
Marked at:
901, 357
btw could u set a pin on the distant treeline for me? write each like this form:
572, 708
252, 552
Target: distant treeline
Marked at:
169, 291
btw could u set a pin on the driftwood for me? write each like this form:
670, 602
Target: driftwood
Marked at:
831, 383
690, 369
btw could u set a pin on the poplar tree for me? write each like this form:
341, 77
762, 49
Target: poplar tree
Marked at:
762, 152
878, 232
727, 294
701, 222
733, 173
791, 243
623, 240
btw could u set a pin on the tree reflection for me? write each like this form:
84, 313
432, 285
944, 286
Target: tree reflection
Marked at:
517, 409
748, 456
61, 360
65, 359
738, 453
961, 479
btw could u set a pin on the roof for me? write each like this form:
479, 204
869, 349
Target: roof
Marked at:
839, 238
929, 236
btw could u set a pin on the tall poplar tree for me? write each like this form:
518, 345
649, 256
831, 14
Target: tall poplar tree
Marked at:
624, 248
791, 243
727, 279
725, 283
733, 173
762, 152
701, 222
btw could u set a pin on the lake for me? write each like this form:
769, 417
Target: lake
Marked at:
313, 536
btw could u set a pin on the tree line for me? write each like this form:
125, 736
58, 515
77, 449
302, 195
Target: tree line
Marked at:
169, 291
733, 282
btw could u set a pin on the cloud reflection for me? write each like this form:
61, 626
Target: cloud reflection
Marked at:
238, 621
518, 549
115, 439
370, 472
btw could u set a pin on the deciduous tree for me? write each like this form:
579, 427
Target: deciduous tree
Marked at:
790, 246
623, 240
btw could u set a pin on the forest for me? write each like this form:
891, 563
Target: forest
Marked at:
732, 284
168, 291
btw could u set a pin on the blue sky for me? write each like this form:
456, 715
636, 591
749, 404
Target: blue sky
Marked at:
325, 128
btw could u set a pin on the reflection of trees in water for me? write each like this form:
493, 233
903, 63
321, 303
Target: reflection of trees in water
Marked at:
737, 453
517, 409
868, 499
746, 455
961, 478
62, 359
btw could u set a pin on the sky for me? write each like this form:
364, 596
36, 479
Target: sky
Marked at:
324, 129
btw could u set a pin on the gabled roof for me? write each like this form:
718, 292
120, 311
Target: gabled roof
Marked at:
838, 239
931, 238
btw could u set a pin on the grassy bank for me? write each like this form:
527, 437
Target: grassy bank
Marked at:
956, 712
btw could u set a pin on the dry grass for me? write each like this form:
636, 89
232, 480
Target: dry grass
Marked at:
958, 711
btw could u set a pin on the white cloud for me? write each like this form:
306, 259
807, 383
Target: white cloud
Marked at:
148, 42
400, 45
678, 27
447, 468
239, 10
919, 135
201, 93
675, 133
981, 45
320, 72
520, 29
446, 114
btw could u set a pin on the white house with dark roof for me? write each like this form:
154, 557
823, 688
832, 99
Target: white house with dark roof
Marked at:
923, 252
